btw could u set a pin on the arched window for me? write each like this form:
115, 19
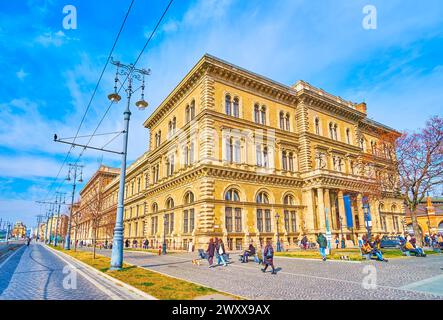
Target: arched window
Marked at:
394, 208
191, 153
381, 207
154, 207
169, 203
362, 143
192, 109
287, 121
289, 200
189, 198
282, 120
263, 115
331, 130
263, 212
174, 124
236, 111
187, 114
188, 213
232, 195
317, 125
233, 213
289, 214
228, 104
262, 197
335, 132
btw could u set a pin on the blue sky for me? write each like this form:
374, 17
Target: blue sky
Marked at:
48, 73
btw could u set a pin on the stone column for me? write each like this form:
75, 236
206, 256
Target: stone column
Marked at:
327, 204
341, 211
309, 211
360, 212
321, 211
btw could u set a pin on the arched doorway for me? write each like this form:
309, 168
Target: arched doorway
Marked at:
440, 227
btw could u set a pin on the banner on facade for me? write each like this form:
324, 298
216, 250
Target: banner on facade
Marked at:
348, 211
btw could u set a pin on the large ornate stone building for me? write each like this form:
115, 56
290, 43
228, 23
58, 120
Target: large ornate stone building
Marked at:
235, 155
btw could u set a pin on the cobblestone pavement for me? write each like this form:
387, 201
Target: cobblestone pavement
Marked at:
36, 273
304, 279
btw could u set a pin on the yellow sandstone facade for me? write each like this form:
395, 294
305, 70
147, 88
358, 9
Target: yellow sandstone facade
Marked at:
235, 155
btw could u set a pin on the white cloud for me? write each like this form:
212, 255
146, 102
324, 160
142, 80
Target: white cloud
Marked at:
21, 74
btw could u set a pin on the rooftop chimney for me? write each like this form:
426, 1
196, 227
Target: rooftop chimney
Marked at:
361, 107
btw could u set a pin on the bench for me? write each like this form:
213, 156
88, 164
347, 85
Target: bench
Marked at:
255, 256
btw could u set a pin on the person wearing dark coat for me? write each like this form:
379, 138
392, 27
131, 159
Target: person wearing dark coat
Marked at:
269, 257
248, 253
127, 243
211, 252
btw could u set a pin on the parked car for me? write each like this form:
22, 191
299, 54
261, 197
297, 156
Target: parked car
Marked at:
390, 242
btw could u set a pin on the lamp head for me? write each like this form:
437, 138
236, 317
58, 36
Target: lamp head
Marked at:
141, 104
114, 97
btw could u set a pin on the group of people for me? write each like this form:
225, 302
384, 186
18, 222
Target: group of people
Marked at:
409, 243
434, 240
372, 248
216, 249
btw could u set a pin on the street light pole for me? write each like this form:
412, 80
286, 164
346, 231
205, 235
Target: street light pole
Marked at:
132, 74
74, 168
277, 216
164, 235
58, 216
341, 231
51, 216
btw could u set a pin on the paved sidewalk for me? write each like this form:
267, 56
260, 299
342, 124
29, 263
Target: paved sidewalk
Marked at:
302, 279
37, 273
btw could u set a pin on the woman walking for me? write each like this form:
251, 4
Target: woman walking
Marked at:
210, 252
220, 252
269, 257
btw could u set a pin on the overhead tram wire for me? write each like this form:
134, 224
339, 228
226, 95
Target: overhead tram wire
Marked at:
122, 84
92, 97
127, 76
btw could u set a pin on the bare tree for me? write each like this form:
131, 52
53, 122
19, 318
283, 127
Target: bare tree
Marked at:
418, 167
91, 211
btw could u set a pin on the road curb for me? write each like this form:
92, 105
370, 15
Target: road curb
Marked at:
132, 289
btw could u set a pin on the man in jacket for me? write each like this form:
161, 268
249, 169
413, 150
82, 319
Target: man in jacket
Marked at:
322, 243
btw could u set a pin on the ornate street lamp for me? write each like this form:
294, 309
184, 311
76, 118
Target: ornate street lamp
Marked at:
132, 74
277, 216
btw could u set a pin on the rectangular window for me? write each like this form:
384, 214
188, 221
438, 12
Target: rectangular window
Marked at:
171, 228
228, 219
238, 244
260, 220
166, 223
258, 155
185, 221
268, 220
293, 222
191, 220
286, 216
238, 224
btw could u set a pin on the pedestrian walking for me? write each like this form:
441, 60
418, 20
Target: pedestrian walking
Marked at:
127, 243
336, 242
210, 252
322, 244
220, 249
268, 256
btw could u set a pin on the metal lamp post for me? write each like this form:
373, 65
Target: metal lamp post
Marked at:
132, 74
341, 231
164, 236
72, 168
277, 216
